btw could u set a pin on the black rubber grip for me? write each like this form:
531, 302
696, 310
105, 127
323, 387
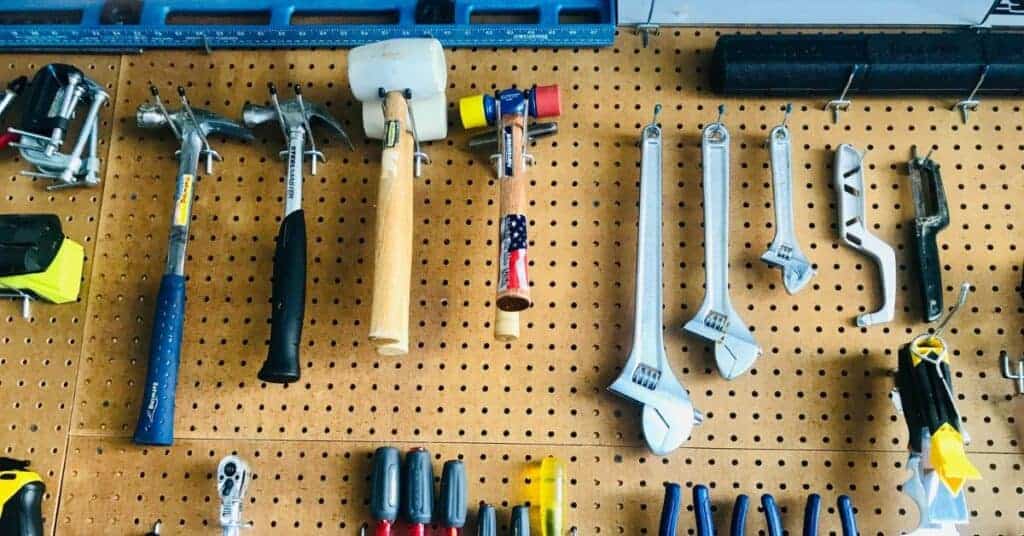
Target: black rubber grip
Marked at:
418, 488
22, 514
520, 524
452, 505
933, 63
384, 484
486, 521
288, 302
930, 268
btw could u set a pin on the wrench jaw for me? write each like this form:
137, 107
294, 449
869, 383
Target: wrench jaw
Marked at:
735, 348
796, 268
668, 415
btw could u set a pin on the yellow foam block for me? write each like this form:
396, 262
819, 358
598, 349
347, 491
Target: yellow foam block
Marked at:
950, 460
60, 282
472, 112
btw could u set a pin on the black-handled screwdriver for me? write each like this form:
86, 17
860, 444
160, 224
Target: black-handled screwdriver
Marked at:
384, 489
418, 491
452, 506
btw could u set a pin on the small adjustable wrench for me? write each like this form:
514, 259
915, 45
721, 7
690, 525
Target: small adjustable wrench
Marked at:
784, 251
647, 378
853, 229
717, 320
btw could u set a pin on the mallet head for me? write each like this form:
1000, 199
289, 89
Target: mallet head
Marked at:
538, 102
414, 66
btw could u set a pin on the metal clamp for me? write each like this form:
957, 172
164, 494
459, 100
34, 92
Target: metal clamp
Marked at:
647, 378
784, 251
418, 156
931, 216
970, 104
717, 321
853, 229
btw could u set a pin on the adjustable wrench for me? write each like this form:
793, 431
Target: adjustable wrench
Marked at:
647, 378
784, 251
853, 229
717, 320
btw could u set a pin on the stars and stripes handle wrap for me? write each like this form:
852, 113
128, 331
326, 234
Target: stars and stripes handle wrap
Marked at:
512, 257
513, 283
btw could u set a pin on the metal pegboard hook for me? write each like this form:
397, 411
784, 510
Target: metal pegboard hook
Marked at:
842, 104
970, 104
1017, 377
786, 111
965, 289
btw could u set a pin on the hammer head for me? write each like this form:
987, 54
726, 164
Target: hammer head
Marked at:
413, 66
149, 115
293, 114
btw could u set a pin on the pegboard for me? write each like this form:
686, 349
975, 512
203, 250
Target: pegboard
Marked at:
816, 401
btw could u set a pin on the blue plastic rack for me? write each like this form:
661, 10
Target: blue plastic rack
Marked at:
120, 24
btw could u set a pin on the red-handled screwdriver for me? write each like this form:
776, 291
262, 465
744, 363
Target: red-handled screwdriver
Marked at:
418, 491
452, 506
384, 489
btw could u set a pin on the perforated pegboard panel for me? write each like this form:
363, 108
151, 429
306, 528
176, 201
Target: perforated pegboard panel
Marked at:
819, 394
39, 356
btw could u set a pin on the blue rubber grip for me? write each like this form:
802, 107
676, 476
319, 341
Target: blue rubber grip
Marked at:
847, 517
702, 511
811, 512
156, 418
739, 516
771, 515
670, 510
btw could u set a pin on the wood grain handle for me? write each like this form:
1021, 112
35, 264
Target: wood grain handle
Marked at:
392, 263
513, 282
506, 325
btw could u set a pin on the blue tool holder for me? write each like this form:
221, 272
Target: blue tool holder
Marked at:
558, 23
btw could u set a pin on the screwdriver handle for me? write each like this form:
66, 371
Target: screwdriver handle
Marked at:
384, 488
452, 507
670, 510
487, 521
418, 490
520, 521
552, 478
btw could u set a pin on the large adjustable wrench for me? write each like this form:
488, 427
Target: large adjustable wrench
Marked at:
853, 229
784, 251
647, 378
717, 320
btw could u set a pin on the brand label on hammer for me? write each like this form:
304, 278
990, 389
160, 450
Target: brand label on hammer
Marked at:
391, 134
183, 205
506, 152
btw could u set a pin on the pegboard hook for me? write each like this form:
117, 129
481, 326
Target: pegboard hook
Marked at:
970, 104
965, 289
1017, 377
842, 103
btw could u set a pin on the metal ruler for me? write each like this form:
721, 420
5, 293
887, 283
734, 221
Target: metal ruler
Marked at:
120, 24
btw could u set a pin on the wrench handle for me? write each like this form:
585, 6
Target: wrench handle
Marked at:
931, 269
156, 418
513, 282
392, 268
288, 301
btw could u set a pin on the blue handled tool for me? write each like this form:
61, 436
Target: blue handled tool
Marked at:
739, 515
772, 515
191, 127
705, 523
702, 511
293, 24
670, 510
846, 516
811, 514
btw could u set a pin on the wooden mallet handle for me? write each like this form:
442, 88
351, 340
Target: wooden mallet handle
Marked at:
392, 262
513, 282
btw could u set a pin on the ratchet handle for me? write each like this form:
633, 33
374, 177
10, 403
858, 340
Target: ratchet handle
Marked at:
670, 510
288, 301
156, 418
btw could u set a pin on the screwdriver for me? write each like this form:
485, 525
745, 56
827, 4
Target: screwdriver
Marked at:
418, 491
549, 496
452, 507
384, 489
520, 521
487, 521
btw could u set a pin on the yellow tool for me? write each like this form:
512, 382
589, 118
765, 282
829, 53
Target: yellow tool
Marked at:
21, 495
37, 260
549, 484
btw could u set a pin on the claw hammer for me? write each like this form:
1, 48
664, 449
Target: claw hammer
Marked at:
191, 126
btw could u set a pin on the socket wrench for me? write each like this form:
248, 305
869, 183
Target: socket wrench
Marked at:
647, 378
717, 320
784, 251
853, 229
